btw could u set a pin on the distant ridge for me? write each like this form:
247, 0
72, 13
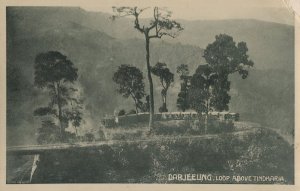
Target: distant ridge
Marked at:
98, 46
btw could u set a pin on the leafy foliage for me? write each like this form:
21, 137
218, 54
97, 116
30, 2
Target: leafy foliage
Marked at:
225, 57
166, 78
255, 153
145, 106
182, 100
75, 113
52, 67
54, 72
89, 137
121, 112
220, 94
200, 92
130, 83
183, 70
210, 84
48, 133
44, 111
131, 112
160, 25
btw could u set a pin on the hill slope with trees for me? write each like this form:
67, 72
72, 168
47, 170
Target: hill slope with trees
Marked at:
90, 41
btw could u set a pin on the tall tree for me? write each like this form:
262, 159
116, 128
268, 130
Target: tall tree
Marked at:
130, 83
201, 91
210, 85
56, 73
182, 100
166, 78
225, 57
160, 25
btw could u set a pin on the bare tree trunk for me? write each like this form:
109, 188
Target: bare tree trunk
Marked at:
76, 131
206, 123
165, 104
206, 117
136, 106
163, 101
60, 118
150, 80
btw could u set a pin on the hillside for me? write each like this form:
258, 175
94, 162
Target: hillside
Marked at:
94, 44
266, 97
269, 48
258, 151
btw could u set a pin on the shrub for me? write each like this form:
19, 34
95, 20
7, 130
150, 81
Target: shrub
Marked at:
135, 135
121, 112
197, 128
174, 127
101, 135
162, 109
131, 112
48, 133
89, 137
258, 153
216, 126
70, 137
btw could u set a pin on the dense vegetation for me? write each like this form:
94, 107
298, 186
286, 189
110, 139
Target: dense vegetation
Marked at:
257, 153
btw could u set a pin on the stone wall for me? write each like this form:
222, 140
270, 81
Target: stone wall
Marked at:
126, 120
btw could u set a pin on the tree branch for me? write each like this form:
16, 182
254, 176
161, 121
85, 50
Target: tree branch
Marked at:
162, 83
129, 11
155, 16
136, 22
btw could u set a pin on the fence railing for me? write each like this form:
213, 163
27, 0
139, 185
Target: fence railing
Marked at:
114, 121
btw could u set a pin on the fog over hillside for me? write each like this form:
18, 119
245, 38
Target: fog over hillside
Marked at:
97, 46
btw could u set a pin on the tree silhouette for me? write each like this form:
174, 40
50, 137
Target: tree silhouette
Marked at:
182, 100
200, 93
48, 133
225, 57
54, 72
130, 83
210, 84
75, 112
160, 25
166, 78
144, 106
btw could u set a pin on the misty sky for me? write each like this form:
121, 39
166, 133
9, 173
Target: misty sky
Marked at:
269, 10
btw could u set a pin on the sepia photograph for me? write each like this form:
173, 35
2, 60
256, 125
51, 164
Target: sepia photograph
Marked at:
134, 92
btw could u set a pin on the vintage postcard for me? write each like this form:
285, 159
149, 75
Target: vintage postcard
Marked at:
186, 94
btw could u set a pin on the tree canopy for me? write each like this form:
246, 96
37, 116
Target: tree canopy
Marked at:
201, 92
210, 84
130, 83
159, 25
56, 73
182, 100
166, 77
225, 57
53, 67
183, 70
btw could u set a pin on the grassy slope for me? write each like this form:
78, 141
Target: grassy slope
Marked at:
256, 152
